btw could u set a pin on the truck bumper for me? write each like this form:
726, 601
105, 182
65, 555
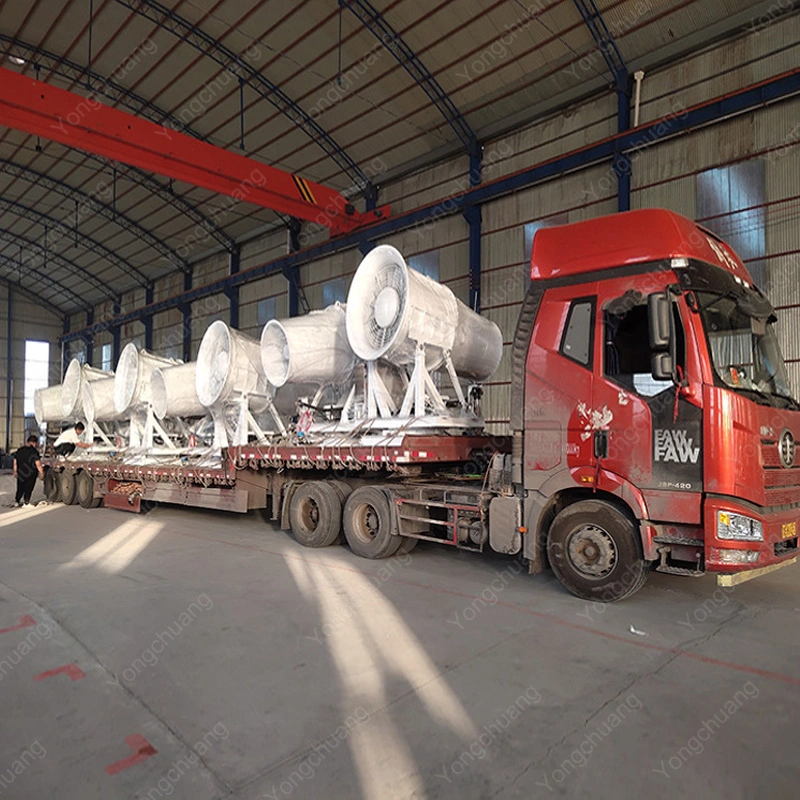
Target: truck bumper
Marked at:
735, 578
739, 561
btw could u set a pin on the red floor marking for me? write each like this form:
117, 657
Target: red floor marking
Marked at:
72, 670
552, 618
142, 751
24, 622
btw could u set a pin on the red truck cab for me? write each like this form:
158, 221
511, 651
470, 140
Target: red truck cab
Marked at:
652, 416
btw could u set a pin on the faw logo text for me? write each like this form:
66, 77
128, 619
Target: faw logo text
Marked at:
675, 446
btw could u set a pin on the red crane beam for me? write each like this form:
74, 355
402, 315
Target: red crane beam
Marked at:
86, 124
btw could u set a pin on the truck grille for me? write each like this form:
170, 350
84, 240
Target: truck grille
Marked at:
781, 485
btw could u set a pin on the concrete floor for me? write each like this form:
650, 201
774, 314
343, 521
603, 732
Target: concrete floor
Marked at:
214, 657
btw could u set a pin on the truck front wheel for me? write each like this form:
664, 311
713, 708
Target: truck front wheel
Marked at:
315, 514
368, 523
594, 550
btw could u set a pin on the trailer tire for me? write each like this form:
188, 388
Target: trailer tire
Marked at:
67, 487
51, 492
85, 491
315, 514
368, 523
595, 552
344, 490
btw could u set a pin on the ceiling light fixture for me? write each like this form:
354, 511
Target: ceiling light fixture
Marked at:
17, 60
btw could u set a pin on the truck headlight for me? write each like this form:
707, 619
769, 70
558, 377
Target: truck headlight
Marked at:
737, 526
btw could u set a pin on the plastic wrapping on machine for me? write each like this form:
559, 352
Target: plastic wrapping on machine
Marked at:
312, 349
75, 378
229, 364
391, 309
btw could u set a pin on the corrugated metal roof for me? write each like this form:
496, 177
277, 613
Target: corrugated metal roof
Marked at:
493, 58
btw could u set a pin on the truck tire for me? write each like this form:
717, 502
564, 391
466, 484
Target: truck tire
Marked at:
594, 550
407, 544
315, 514
67, 487
85, 491
368, 523
51, 492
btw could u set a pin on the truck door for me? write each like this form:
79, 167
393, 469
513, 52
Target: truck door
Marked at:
650, 441
559, 377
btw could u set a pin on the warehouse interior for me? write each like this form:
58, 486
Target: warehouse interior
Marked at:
209, 657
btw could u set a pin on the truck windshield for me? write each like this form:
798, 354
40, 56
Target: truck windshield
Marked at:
744, 347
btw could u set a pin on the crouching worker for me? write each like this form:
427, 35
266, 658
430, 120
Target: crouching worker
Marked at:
27, 465
69, 440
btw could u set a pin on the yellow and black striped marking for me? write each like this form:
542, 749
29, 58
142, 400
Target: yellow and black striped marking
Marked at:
303, 188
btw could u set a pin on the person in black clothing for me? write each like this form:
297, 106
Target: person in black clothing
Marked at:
27, 464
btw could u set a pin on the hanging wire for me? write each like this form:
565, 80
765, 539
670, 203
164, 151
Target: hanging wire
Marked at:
91, 26
241, 114
339, 71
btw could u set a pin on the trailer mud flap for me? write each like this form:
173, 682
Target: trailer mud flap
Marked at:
123, 502
505, 520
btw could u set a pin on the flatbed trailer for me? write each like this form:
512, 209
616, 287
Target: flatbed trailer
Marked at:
427, 485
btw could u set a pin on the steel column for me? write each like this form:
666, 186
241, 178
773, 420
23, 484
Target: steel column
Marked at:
65, 326
89, 339
9, 379
619, 72
232, 292
473, 216
297, 297
186, 319
148, 321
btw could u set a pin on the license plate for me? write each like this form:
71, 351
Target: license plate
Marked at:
789, 530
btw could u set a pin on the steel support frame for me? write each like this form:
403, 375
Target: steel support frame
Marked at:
63, 263
374, 21
44, 278
684, 121
236, 64
87, 242
87, 201
619, 71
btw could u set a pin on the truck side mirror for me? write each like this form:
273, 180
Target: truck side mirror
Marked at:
659, 314
662, 336
661, 366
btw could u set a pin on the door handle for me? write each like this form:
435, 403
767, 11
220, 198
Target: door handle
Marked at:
601, 444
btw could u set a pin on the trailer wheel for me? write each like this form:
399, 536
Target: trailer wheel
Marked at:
594, 550
368, 524
67, 487
315, 514
344, 490
85, 490
51, 492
